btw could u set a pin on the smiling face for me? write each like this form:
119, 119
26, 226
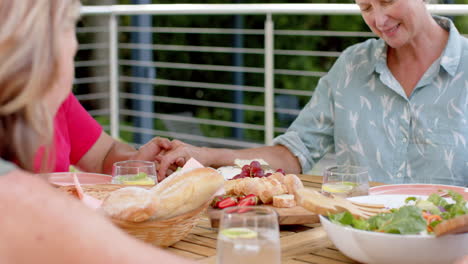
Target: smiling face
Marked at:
397, 22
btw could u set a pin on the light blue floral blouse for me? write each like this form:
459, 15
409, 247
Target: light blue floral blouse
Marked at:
360, 111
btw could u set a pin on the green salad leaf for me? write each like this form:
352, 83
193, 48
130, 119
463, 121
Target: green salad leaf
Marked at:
408, 219
347, 219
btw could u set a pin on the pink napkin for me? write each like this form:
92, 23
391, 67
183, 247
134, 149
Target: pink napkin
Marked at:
87, 199
190, 165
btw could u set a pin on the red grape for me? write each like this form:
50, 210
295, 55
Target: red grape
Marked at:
280, 171
260, 174
244, 174
255, 164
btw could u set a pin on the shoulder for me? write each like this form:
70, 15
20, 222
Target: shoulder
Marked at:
6, 166
369, 49
464, 42
67, 104
361, 57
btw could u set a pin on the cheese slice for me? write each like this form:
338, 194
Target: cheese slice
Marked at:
284, 201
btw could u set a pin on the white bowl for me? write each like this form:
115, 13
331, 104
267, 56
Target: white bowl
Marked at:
373, 247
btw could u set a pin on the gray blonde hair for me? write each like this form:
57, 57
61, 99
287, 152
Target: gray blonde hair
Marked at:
29, 35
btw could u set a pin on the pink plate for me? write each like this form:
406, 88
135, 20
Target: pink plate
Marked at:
66, 178
417, 189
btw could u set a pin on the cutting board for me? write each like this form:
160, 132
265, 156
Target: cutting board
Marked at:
286, 216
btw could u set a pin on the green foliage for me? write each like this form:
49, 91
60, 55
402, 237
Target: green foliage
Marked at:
254, 41
125, 136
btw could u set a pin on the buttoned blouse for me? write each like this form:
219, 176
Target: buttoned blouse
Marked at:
361, 112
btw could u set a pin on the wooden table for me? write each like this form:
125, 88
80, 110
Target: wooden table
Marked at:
299, 243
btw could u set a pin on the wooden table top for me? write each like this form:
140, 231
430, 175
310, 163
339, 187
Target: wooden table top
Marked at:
299, 243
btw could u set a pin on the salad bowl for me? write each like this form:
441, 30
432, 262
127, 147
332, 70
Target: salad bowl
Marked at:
382, 248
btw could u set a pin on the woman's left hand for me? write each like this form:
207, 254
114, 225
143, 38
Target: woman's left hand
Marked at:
152, 148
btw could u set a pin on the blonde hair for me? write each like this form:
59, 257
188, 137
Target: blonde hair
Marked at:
29, 35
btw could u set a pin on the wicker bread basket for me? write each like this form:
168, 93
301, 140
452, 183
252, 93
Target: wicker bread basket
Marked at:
161, 233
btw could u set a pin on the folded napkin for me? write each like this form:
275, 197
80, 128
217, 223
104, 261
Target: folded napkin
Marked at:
87, 199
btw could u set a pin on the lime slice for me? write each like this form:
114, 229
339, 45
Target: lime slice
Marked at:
146, 181
350, 183
139, 176
341, 187
239, 232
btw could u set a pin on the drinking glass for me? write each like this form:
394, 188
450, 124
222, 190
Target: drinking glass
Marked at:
135, 172
346, 181
248, 235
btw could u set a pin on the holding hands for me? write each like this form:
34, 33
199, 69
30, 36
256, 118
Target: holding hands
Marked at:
153, 150
169, 155
177, 154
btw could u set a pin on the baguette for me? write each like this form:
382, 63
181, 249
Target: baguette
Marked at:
130, 204
316, 202
181, 193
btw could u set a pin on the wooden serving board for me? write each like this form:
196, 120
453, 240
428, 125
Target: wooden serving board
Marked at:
286, 216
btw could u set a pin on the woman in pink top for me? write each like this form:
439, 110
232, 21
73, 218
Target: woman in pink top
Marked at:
80, 140
39, 117
39, 224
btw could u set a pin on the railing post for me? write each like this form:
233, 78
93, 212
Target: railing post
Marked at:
114, 77
269, 80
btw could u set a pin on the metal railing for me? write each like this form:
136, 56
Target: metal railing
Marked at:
114, 63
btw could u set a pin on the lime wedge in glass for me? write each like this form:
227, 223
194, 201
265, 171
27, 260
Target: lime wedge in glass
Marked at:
338, 187
147, 181
238, 232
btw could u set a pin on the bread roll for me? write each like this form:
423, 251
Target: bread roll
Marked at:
181, 193
230, 186
265, 188
293, 183
130, 204
278, 176
270, 188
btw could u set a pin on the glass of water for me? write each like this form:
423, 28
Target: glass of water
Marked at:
346, 181
248, 235
134, 172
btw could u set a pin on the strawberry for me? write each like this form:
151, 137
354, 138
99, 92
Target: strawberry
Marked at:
216, 200
249, 200
246, 196
227, 202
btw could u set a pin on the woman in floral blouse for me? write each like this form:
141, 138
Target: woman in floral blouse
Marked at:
397, 104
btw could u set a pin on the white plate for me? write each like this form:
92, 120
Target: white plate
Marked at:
419, 189
229, 172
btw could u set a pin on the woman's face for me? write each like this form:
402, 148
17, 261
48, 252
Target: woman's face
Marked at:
66, 69
397, 22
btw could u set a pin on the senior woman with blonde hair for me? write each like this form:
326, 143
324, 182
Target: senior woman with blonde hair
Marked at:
39, 224
42, 125
397, 105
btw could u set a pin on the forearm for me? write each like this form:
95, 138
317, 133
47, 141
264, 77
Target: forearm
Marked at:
102, 155
41, 225
277, 156
118, 152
